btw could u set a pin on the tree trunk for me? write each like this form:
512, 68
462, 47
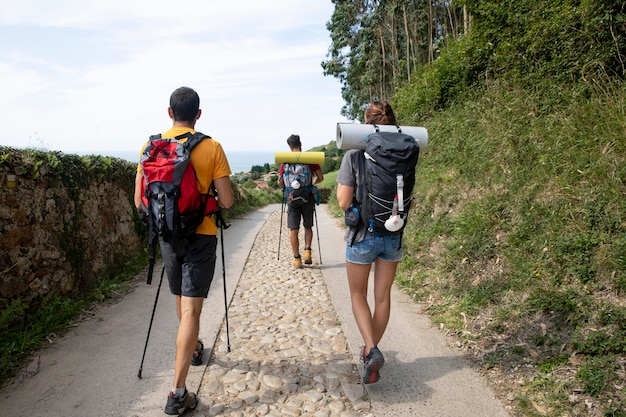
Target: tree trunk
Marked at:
453, 28
408, 44
381, 82
431, 53
466, 20
395, 54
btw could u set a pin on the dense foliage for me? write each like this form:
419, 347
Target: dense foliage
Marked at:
378, 45
517, 240
435, 50
562, 40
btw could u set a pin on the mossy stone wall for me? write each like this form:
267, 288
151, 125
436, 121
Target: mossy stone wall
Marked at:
65, 223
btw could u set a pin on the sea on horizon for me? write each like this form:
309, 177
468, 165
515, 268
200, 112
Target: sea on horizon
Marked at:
240, 161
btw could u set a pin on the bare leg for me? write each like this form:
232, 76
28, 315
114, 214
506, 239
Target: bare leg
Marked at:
188, 309
295, 242
308, 237
358, 275
384, 274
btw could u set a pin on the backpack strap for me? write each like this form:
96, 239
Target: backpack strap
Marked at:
208, 201
360, 199
193, 139
378, 129
152, 233
366, 193
152, 240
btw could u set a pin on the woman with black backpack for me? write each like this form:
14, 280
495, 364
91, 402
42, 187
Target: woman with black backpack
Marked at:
366, 247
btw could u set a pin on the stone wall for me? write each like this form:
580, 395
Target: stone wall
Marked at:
66, 222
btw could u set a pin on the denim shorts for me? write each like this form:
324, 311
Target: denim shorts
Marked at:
190, 273
387, 248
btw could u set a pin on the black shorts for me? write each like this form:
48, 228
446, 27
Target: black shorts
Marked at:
191, 272
304, 212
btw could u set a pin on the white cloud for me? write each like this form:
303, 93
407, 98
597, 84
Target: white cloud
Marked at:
95, 76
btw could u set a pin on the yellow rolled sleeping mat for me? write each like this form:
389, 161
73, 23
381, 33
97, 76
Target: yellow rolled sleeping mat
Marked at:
299, 157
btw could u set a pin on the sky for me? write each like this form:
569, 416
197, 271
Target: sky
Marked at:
94, 76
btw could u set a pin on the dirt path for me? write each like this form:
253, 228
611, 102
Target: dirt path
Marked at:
92, 370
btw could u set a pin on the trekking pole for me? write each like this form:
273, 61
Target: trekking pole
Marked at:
317, 232
223, 226
280, 233
151, 319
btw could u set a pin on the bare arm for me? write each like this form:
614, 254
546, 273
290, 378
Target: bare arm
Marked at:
344, 196
224, 191
319, 177
138, 190
281, 176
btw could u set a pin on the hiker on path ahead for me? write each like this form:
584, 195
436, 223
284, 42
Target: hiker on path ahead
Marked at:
299, 186
367, 245
190, 269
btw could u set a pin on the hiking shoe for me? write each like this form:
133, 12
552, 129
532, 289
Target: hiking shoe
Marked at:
297, 262
307, 257
373, 362
362, 354
177, 405
196, 358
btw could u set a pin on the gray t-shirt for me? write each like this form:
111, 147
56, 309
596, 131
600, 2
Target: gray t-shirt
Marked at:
349, 168
352, 174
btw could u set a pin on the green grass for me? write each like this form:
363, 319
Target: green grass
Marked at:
24, 331
519, 228
330, 180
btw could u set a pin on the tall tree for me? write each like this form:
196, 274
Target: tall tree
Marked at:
377, 44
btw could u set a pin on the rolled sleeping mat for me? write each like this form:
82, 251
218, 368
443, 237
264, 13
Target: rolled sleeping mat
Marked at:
354, 135
299, 157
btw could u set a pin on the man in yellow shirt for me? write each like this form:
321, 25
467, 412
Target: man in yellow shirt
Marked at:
190, 274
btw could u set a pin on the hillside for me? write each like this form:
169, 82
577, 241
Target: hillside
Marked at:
517, 238
517, 243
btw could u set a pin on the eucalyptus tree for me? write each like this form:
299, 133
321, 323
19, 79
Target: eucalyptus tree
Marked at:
377, 44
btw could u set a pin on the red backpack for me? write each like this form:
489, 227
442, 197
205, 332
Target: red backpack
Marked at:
172, 201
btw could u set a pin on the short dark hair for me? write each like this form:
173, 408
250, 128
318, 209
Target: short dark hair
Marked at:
185, 104
294, 141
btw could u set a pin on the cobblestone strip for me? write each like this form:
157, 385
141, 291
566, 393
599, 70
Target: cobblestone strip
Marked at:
288, 354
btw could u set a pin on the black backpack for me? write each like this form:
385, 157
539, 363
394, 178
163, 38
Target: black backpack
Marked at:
173, 204
390, 160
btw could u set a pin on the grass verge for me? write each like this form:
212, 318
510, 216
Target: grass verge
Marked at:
517, 242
